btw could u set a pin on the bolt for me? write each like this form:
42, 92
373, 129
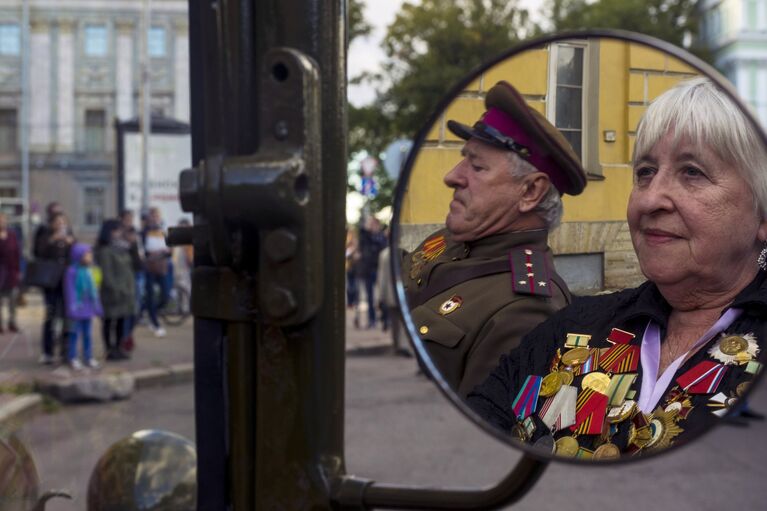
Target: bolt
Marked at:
281, 130
280, 302
280, 245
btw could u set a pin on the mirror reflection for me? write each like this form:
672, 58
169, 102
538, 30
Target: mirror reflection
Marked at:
583, 228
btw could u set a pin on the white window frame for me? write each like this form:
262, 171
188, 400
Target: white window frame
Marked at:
15, 49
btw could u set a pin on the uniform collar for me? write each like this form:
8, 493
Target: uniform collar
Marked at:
491, 246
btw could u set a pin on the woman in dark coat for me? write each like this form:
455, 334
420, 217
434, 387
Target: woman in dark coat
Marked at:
118, 291
9, 272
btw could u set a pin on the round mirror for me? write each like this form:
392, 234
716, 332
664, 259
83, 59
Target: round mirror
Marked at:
580, 226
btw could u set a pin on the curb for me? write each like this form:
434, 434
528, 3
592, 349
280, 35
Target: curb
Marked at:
14, 412
19, 409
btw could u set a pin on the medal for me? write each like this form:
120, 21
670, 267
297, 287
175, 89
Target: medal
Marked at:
704, 378
591, 363
663, 429
527, 399
433, 248
450, 305
621, 413
618, 336
577, 341
734, 349
576, 356
720, 403
558, 412
590, 410
566, 446
596, 381
566, 377
584, 453
620, 358
619, 387
607, 451
551, 384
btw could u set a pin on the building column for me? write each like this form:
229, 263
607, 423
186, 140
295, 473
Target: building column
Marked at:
181, 94
124, 78
40, 87
65, 90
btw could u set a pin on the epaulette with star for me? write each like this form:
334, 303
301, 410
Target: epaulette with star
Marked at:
529, 272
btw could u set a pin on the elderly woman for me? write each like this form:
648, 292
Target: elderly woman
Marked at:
649, 367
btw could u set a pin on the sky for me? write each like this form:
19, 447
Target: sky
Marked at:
366, 54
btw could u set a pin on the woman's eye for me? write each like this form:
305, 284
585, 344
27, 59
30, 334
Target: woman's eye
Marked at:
691, 171
643, 172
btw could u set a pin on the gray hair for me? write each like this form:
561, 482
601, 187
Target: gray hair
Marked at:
700, 111
549, 209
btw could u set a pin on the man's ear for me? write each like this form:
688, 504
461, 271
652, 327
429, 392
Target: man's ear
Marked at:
536, 186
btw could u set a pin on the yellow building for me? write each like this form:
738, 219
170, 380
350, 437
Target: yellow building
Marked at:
594, 91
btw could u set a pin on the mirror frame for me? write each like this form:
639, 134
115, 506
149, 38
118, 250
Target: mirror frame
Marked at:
404, 177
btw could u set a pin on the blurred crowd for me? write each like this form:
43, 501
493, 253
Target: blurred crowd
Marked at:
368, 276
124, 279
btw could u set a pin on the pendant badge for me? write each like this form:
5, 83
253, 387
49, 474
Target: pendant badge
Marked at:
453, 303
735, 349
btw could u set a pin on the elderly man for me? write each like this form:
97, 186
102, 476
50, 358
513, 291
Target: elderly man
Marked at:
477, 286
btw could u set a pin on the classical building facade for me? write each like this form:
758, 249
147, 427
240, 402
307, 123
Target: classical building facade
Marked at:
736, 31
85, 72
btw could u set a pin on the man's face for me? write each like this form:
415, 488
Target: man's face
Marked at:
485, 193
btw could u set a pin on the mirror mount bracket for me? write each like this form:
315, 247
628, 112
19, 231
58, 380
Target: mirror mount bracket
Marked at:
264, 210
351, 492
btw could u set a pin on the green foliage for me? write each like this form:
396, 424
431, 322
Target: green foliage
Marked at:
358, 26
431, 46
669, 20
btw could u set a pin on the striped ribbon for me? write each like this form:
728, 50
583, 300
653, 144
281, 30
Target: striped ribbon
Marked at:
590, 411
527, 399
619, 387
620, 358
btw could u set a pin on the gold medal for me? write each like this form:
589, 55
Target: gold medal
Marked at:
596, 381
735, 349
732, 345
566, 446
576, 356
566, 377
551, 384
622, 412
663, 429
607, 451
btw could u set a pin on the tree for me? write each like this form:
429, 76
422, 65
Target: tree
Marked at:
674, 21
358, 26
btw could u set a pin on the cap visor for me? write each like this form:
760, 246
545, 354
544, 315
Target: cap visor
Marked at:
466, 132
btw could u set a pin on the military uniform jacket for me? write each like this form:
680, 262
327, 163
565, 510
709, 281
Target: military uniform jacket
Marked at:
687, 407
473, 302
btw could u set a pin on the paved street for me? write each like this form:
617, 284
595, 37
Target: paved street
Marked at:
399, 429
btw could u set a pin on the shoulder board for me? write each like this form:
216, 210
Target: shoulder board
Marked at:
529, 272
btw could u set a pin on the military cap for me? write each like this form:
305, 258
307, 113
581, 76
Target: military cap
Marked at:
510, 123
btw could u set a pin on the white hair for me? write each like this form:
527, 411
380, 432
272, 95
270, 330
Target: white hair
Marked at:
698, 110
549, 209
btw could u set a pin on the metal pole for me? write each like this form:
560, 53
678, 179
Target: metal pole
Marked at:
146, 100
24, 115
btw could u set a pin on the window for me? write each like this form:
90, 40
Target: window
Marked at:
96, 40
8, 130
567, 93
95, 128
94, 205
10, 39
156, 42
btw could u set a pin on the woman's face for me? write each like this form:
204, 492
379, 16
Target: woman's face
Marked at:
692, 216
59, 224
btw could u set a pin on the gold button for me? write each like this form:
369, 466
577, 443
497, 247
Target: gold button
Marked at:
419, 281
424, 330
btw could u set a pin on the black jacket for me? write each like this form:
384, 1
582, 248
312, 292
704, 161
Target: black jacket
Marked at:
628, 310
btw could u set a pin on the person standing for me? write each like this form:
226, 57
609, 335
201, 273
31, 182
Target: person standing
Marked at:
54, 245
118, 290
82, 304
135, 249
371, 241
9, 271
156, 261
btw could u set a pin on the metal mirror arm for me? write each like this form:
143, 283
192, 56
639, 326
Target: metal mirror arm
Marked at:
356, 493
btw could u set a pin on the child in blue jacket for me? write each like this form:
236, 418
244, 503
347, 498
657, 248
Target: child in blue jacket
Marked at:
81, 296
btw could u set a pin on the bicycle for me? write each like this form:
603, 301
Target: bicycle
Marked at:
177, 308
